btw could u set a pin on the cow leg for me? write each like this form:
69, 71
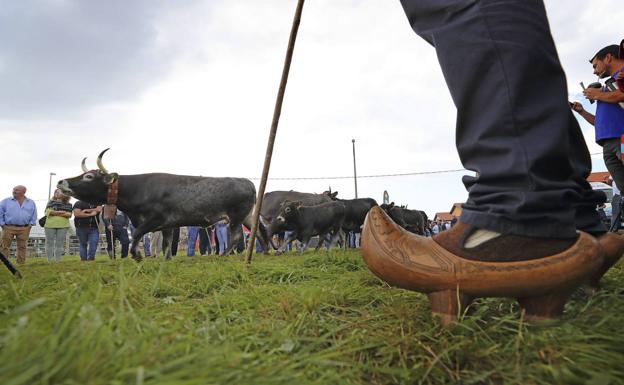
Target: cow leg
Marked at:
322, 240
137, 235
305, 242
337, 234
261, 235
234, 236
167, 238
292, 236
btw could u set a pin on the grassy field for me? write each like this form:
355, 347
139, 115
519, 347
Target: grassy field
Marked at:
318, 319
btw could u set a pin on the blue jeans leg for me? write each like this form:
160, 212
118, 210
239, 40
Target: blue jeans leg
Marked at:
83, 238
93, 238
193, 231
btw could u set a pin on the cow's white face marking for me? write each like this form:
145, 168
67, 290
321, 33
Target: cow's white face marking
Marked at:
64, 186
281, 219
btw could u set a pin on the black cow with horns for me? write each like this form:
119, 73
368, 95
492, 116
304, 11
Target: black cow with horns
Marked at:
165, 201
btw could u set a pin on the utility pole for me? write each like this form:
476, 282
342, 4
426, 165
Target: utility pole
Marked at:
50, 186
354, 168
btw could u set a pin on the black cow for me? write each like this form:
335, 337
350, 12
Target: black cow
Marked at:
272, 202
308, 221
164, 201
355, 212
411, 220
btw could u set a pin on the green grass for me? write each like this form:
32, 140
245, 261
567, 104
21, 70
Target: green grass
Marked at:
318, 319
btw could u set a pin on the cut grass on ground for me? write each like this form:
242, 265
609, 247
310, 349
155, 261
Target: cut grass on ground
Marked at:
315, 319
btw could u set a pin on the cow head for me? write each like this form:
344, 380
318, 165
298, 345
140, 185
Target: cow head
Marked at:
90, 186
288, 211
387, 207
330, 194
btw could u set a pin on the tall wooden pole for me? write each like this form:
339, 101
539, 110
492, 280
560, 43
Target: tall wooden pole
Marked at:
276, 115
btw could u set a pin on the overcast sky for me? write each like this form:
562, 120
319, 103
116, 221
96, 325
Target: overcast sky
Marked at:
188, 87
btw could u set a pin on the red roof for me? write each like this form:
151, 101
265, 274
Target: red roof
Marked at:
443, 217
601, 176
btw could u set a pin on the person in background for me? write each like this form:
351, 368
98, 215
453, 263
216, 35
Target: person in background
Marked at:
435, 229
205, 244
609, 118
58, 211
18, 214
221, 229
86, 222
195, 232
117, 229
156, 243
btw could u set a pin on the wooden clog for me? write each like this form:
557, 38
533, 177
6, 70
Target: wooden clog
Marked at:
541, 286
612, 246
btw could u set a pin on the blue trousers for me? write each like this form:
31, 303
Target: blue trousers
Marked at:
204, 241
88, 238
514, 126
193, 231
222, 237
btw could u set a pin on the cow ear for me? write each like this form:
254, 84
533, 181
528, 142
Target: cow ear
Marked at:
298, 204
333, 195
110, 178
391, 205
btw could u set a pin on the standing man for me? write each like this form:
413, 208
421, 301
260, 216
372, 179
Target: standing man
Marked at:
18, 215
609, 118
87, 231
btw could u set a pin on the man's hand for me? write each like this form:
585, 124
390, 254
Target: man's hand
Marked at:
620, 76
110, 227
592, 93
577, 107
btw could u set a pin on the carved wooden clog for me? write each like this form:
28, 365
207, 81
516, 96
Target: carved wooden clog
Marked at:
612, 246
417, 263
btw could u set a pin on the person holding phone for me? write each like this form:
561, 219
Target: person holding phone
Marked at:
609, 118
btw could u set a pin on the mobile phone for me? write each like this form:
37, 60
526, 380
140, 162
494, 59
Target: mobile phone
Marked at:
583, 86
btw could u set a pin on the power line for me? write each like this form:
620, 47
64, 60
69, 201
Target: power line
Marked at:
366, 176
380, 175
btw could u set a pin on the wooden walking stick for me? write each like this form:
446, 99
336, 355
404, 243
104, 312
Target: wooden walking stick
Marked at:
10, 266
276, 115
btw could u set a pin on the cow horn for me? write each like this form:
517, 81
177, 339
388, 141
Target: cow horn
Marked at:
84, 167
99, 162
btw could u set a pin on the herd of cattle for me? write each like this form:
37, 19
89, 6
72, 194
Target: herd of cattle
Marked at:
163, 202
